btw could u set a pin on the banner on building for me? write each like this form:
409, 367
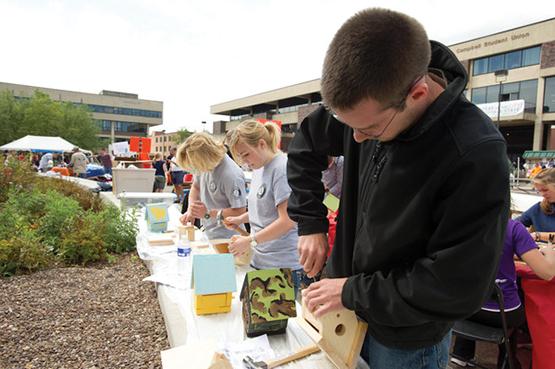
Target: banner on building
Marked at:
508, 109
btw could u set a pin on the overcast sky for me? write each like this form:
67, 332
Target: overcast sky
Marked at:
193, 54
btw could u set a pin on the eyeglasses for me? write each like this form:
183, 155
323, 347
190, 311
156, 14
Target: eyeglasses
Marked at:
399, 106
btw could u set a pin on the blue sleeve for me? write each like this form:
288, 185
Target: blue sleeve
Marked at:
526, 217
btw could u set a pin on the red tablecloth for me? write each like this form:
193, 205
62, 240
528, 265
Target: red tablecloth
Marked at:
539, 298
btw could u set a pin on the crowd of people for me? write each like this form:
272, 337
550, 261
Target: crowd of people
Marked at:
76, 161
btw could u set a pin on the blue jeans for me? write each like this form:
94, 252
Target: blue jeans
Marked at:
300, 280
379, 356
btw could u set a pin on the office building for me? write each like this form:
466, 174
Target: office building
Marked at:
119, 115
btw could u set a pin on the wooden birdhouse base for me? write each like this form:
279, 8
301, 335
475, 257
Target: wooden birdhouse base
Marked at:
212, 304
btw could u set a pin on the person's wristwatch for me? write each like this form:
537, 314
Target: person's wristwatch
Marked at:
253, 241
207, 215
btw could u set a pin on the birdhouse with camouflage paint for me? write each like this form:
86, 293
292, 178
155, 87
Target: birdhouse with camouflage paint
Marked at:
268, 300
157, 217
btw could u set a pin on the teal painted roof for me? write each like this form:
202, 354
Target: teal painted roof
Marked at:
213, 273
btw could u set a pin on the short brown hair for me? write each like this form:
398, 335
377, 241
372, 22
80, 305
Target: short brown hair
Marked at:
200, 153
378, 54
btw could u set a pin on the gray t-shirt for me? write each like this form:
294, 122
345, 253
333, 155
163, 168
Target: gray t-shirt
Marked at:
222, 188
269, 188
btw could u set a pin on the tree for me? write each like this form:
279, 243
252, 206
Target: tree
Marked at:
10, 118
183, 134
41, 116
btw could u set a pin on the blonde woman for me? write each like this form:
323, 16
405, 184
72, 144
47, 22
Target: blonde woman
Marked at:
274, 235
218, 188
542, 215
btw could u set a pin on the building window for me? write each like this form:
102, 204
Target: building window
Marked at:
480, 66
531, 56
479, 95
124, 111
131, 127
513, 59
523, 90
549, 96
104, 125
496, 62
528, 92
510, 60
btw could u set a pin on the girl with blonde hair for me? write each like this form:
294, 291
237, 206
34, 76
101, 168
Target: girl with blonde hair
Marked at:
273, 234
218, 188
541, 216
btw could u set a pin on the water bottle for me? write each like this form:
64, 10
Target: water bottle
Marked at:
184, 259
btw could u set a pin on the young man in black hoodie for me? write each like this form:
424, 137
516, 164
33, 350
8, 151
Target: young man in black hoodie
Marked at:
425, 191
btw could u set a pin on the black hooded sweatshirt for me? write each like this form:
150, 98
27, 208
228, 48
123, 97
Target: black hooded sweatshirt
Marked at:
422, 217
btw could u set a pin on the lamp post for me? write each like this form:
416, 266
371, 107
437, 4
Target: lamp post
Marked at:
500, 77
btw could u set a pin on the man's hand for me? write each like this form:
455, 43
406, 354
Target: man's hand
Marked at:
313, 251
197, 209
324, 296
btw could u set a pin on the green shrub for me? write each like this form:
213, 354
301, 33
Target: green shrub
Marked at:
86, 199
46, 220
29, 204
121, 229
59, 214
22, 252
11, 222
16, 175
85, 243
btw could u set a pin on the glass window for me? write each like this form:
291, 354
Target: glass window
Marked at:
510, 88
513, 59
480, 66
531, 56
479, 95
492, 93
496, 62
528, 93
549, 97
124, 111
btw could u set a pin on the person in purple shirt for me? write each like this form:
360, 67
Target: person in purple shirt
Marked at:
517, 242
542, 215
332, 177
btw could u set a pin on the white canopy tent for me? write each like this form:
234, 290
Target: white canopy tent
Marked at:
40, 144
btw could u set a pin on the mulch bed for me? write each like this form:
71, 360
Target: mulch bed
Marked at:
94, 317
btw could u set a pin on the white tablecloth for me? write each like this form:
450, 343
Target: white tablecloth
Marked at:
226, 327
